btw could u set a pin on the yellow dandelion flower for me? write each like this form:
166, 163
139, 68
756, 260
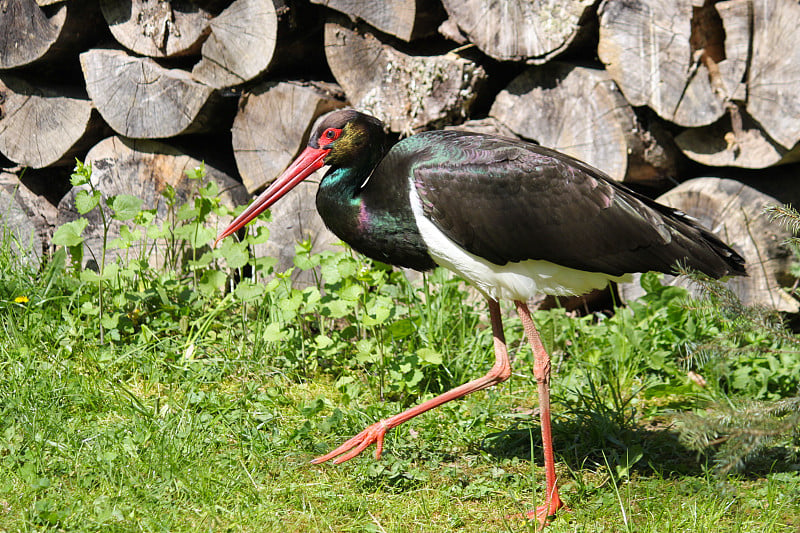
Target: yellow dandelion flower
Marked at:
21, 299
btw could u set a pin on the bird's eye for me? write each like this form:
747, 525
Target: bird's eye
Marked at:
329, 135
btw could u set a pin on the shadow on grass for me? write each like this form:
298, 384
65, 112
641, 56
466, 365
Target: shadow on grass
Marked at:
587, 442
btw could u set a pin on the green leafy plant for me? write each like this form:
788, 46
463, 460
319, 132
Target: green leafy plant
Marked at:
219, 379
120, 207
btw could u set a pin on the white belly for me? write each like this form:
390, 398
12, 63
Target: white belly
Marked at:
515, 281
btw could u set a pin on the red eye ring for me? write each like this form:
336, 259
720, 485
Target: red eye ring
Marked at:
329, 135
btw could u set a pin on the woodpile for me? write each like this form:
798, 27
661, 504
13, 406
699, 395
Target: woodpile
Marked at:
654, 93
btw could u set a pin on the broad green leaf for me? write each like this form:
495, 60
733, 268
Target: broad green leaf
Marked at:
311, 296
187, 211
247, 290
202, 262
258, 235
402, 328
195, 234
336, 308
429, 356
323, 341
305, 262
377, 315
210, 189
125, 206
126, 239
86, 200
235, 253
264, 264
367, 353
312, 408
274, 332
347, 267
110, 321
69, 234
351, 293
90, 276
292, 303
329, 268
212, 281
157, 231
90, 309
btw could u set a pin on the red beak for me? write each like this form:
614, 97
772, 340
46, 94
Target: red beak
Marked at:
308, 162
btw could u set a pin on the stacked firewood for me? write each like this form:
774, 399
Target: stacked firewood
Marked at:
654, 93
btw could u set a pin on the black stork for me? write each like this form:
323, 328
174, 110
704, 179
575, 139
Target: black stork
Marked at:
512, 218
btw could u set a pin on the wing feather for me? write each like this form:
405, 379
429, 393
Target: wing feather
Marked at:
509, 201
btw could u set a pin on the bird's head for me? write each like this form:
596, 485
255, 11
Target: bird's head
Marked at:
345, 138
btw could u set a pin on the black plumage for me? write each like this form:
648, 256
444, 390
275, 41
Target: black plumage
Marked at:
506, 200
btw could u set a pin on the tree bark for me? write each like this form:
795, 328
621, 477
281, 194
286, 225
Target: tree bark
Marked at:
272, 126
734, 212
42, 126
520, 30
405, 19
139, 98
157, 28
676, 57
144, 169
603, 130
409, 93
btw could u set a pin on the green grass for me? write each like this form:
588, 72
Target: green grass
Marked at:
201, 409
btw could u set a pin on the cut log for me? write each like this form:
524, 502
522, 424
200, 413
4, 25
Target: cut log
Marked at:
676, 57
249, 38
42, 126
405, 19
603, 129
26, 218
487, 126
32, 35
157, 28
520, 30
408, 93
140, 99
773, 83
144, 169
734, 140
734, 212
273, 124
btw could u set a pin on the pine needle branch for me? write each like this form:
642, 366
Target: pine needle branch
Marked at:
741, 430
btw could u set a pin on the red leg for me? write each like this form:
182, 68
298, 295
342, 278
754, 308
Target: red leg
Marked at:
541, 369
374, 433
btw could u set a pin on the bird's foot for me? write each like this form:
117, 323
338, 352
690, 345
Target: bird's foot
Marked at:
544, 513
358, 444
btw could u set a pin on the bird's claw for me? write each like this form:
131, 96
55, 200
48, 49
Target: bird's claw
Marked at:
357, 444
544, 513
